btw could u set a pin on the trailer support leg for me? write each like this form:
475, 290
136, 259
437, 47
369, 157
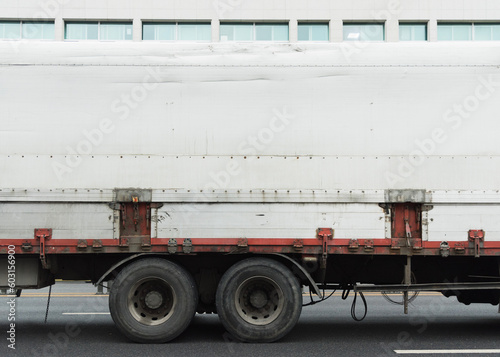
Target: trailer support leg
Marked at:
407, 282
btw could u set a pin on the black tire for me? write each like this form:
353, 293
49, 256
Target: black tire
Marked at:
259, 300
153, 300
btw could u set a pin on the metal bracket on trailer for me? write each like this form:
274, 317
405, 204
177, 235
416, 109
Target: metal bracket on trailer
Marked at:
476, 236
325, 234
43, 234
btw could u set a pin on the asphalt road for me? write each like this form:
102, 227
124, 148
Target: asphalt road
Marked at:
434, 323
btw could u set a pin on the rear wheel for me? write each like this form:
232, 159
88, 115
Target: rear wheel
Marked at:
259, 300
153, 300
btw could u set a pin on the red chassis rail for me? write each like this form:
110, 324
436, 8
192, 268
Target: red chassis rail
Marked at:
43, 245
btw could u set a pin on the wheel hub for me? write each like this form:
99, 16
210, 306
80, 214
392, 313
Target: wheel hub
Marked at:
153, 299
258, 299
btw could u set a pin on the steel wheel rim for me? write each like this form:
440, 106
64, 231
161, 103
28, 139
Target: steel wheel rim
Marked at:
259, 300
151, 301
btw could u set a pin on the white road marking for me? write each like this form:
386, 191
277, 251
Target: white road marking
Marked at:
422, 352
85, 313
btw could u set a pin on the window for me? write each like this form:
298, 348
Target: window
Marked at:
105, 31
32, 30
236, 32
254, 32
486, 32
194, 32
364, 32
412, 32
271, 32
115, 31
313, 32
38, 30
159, 31
10, 30
455, 32
469, 32
82, 30
172, 31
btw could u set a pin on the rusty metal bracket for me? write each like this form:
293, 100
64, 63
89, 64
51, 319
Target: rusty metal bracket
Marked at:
353, 245
124, 242
476, 236
243, 243
172, 246
43, 235
395, 244
459, 248
241, 247
298, 244
82, 244
146, 242
417, 245
407, 226
187, 246
325, 234
27, 247
135, 204
444, 249
97, 244
368, 247
123, 210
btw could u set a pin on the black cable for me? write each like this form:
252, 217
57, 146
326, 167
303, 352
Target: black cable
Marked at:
345, 293
48, 303
388, 298
353, 307
320, 300
311, 298
323, 298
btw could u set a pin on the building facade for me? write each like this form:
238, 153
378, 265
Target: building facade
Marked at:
251, 20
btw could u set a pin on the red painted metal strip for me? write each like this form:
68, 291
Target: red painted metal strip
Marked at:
255, 245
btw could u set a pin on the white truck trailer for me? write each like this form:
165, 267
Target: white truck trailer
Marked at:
223, 177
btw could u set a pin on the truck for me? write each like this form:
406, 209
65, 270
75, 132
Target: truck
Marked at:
227, 177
